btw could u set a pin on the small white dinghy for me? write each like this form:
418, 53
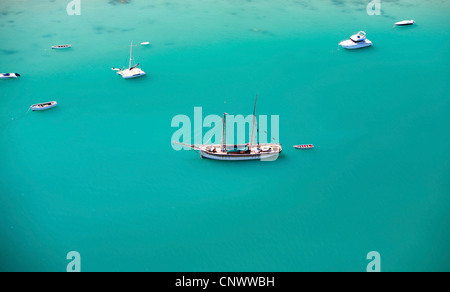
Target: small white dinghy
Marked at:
43, 106
61, 47
405, 22
145, 43
9, 75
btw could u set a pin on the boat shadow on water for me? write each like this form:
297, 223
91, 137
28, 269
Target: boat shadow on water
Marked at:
358, 51
142, 77
406, 27
141, 81
44, 112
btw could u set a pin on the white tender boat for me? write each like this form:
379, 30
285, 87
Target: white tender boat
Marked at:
44, 106
9, 75
304, 146
61, 47
145, 43
356, 41
132, 71
405, 22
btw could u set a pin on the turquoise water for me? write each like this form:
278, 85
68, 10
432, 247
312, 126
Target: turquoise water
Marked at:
98, 174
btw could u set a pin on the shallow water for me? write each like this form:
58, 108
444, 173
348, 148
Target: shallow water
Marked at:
98, 174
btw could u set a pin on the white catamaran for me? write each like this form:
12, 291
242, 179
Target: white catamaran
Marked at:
238, 152
131, 71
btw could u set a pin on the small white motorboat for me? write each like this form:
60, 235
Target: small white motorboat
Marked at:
61, 47
44, 106
405, 22
145, 43
9, 75
356, 41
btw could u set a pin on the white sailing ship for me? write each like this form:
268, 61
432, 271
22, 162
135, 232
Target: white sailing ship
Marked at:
238, 152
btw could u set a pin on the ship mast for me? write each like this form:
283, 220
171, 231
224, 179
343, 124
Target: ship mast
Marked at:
224, 133
254, 121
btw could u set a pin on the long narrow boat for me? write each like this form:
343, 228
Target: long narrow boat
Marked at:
9, 75
60, 47
305, 146
241, 152
43, 106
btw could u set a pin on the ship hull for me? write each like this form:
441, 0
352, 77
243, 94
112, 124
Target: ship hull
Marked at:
228, 157
268, 152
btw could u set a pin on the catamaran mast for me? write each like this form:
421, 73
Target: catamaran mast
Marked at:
131, 51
